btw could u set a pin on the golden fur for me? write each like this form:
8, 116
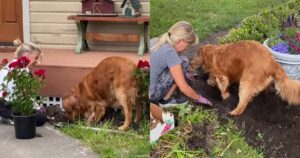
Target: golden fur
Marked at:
110, 84
251, 65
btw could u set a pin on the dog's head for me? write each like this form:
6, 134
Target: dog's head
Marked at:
71, 103
203, 57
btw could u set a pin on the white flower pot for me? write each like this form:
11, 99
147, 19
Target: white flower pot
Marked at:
289, 62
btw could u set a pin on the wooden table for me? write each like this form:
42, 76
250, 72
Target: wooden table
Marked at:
83, 36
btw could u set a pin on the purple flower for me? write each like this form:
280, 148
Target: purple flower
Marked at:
282, 47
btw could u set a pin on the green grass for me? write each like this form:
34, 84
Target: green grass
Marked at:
235, 143
207, 16
110, 144
227, 140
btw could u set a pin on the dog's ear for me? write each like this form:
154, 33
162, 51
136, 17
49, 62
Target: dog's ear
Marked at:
207, 52
74, 95
197, 60
208, 48
200, 50
74, 92
205, 48
203, 57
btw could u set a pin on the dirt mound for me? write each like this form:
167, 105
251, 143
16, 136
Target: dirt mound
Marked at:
268, 121
201, 137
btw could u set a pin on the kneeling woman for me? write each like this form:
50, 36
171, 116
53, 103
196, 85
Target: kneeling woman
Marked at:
168, 68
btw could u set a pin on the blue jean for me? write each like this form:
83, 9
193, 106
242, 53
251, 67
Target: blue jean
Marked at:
165, 82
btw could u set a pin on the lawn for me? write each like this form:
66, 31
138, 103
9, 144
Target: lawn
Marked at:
109, 142
206, 16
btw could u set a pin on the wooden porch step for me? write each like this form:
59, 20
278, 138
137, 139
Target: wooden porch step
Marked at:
64, 68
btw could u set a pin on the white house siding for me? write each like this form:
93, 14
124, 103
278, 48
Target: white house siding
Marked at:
49, 27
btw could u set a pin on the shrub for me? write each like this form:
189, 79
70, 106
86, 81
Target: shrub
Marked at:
265, 24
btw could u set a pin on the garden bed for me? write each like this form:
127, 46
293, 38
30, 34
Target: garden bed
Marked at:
268, 122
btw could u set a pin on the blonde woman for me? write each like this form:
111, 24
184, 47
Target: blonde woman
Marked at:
33, 53
168, 68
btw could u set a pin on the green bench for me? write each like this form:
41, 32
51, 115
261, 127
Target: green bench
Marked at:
83, 36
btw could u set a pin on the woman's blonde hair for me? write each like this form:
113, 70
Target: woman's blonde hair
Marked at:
30, 48
181, 30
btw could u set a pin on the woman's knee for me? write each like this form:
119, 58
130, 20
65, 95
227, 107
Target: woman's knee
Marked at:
41, 118
5, 110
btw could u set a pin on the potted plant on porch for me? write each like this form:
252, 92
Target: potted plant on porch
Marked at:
286, 50
24, 96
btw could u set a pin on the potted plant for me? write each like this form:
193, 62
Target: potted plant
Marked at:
142, 74
286, 50
24, 95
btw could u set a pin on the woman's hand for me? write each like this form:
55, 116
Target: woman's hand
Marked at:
203, 100
190, 77
177, 74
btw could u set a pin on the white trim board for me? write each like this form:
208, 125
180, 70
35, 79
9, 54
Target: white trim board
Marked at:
26, 21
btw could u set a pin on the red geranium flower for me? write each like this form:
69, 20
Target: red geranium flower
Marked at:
4, 94
13, 65
41, 73
143, 64
4, 61
140, 64
23, 62
146, 64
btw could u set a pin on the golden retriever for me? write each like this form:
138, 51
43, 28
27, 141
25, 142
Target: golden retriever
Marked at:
251, 65
110, 84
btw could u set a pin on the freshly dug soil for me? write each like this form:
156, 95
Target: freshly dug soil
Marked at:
202, 137
267, 114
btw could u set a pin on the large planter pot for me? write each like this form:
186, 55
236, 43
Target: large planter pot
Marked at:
289, 62
25, 126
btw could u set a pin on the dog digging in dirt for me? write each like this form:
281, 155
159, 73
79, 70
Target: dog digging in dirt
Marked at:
111, 84
251, 65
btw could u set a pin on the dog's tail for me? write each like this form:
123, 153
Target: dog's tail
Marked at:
288, 89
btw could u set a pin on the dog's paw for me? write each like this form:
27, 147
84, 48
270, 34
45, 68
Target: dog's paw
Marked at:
211, 82
123, 128
225, 96
235, 112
